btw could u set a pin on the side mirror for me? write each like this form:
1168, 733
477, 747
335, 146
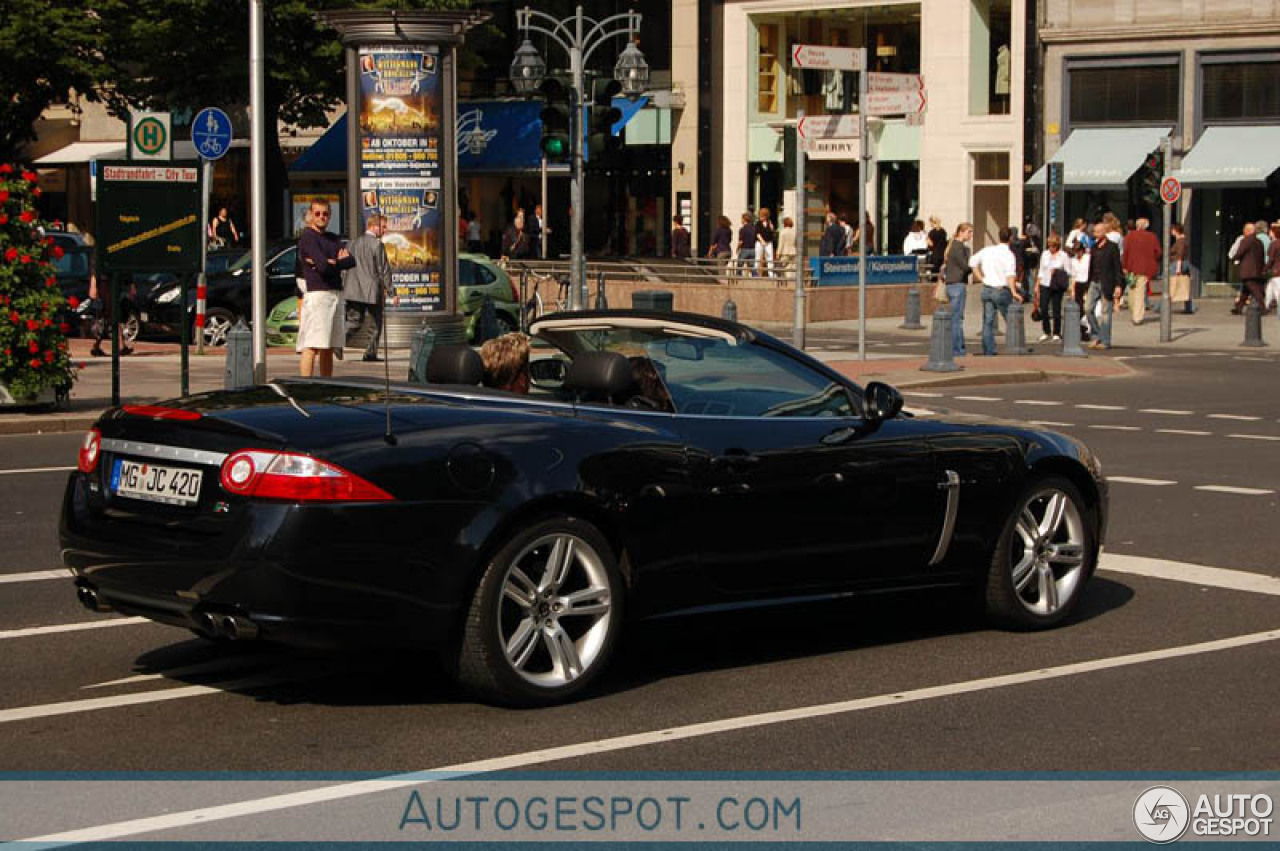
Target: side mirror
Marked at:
882, 402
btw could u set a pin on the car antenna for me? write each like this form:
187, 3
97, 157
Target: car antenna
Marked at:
389, 436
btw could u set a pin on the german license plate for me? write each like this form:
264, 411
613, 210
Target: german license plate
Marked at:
156, 483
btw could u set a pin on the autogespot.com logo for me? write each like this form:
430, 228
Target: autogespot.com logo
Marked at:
1161, 814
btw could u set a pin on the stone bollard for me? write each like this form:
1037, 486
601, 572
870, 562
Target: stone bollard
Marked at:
239, 357
941, 358
1253, 327
421, 342
729, 310
1071, 329
911, 321
602, 298
1015, 338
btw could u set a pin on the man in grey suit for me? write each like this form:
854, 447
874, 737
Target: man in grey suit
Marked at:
366, 284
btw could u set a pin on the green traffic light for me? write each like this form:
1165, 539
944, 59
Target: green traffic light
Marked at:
554, 146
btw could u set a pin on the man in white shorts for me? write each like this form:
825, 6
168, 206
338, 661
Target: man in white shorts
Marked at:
323, 320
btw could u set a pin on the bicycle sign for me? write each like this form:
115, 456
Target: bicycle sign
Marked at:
211, 133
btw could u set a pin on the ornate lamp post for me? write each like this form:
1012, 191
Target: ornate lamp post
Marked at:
579, 37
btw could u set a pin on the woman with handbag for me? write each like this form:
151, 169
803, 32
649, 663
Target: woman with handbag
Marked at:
955, 277
1054, 280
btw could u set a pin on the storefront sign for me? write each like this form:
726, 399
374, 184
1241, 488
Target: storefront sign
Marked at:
400, 168
881, 269
148, 218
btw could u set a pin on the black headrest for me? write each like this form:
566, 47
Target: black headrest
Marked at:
454, 364
599, 377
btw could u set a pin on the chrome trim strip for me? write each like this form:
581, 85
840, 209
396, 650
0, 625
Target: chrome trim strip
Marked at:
164, 453
952, 487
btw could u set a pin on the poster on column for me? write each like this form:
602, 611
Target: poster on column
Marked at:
400, 149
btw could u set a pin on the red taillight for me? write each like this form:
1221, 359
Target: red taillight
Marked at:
90, 450
263, 474
159, 412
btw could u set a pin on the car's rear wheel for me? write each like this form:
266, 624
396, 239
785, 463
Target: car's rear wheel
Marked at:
130, 328
545, 616
1045, 555
217, 322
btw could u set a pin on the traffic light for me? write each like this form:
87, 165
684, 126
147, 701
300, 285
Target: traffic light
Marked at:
555, 121
1152, 174
600, 138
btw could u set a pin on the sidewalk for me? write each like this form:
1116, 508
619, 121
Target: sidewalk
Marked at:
893, 356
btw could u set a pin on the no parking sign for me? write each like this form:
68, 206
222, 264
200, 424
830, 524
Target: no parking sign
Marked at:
1170, 190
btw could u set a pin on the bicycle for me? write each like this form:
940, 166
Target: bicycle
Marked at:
535, 307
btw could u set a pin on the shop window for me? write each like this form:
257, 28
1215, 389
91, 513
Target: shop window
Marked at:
1235, 91
990, 200
990, 57
767, 70
1124, 94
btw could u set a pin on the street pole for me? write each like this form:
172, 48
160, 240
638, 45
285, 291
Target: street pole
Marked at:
797, 333
864, 154
1166, 303
201, 280
542, 225
257, 190
577, 281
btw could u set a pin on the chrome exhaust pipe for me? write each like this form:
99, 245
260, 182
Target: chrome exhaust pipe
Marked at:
89, 598
207, 624
239, 628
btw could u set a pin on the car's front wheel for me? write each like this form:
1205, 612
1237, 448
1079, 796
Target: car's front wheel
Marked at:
217, 322
130, 328
1045, 555
545, 616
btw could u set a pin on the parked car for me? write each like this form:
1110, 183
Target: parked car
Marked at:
661, 464
72, 271
478, 276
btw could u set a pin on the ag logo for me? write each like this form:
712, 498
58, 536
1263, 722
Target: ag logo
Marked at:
1161, 814
150, 136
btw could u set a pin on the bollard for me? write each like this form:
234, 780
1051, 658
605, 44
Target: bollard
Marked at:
1015, 338
729, 310
239, 357
487, 321
1253, 327
421, 342
602, 298
941, 358
1071, 329
911, 321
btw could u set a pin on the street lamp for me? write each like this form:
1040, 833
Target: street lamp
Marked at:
579, 37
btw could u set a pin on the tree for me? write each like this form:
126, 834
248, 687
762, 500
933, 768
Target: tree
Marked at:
177, 54
33, 344
47, 48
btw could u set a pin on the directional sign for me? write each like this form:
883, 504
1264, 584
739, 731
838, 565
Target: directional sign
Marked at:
880, 82
829, 58
211, 133
828, 127
896, 103
1170, 190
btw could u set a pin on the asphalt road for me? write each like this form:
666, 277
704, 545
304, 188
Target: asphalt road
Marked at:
1192, 445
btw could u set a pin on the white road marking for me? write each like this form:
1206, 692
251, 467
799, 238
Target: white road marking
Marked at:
1195, 574
1103, 407
922, 394
1051, 424
173, 673
1042, 402
1131, 480
1236, 417
1165, 412
1115, 428
346, 791
979, 399
1254, 360
1184, 431
34, 576
1240, 491
1254, 436
36, 470
70, 627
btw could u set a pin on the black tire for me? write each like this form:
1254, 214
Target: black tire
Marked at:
217, 322
1055, 596
481, 663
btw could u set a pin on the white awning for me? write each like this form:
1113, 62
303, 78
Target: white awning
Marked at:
1234, 156
82, 152
1103, 157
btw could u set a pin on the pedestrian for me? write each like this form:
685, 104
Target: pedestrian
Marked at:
1234, 256
1141, 259
533, 230
850, 235
1253, 269
1180, 268
515, 242
681, 248
1262, 230
222, 231
786, 248
322, 326
1080, 286
997, 269
368, 286
766, 236
916, 242
506, 363
475, 235
1106, 285
746, 245
937, 244
1079, 235
722, 245
1273, 269
1032, 247
1054, 279
870, 230
833, 238
955, 273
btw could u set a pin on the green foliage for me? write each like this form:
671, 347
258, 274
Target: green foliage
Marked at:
33, 346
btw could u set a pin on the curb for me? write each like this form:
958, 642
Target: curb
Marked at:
48, 424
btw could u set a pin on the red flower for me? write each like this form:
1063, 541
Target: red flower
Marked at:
50, 282
33, 347
5, 168
74, 302
36, 192
48, 323
4, 195
35, 363
30, 177
27, 217
32, 325
11, 254
48, 357
58, 252
26, 258
14, 317
64, 328
8, 353
4, 220
44, 305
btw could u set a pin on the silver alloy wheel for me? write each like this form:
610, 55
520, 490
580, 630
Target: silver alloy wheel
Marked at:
216, 327
555, 612
1047, 552
130, 328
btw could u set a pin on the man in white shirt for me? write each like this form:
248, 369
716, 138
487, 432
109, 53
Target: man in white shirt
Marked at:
997, 269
